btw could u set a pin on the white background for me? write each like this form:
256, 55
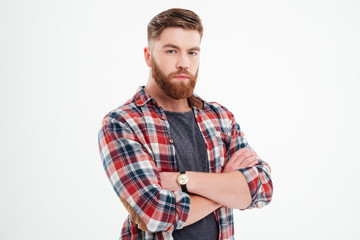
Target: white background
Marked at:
288, 70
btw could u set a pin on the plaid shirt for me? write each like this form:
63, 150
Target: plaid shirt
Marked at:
135, 145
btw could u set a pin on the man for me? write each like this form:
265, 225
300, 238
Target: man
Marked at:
179, 164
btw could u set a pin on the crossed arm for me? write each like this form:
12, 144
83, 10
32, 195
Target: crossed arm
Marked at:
214, 190
154, 200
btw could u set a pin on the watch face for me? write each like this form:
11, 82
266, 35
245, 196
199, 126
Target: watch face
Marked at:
182, 179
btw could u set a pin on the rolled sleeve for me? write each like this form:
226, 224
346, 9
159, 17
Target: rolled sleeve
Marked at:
258, 177
260, 184
135, 179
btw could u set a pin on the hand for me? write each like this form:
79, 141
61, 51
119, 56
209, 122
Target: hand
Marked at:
168, 181
242, 158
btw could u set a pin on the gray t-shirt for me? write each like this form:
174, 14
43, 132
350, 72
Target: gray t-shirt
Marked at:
191, 155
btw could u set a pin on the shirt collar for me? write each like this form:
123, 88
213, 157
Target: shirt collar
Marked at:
141, 98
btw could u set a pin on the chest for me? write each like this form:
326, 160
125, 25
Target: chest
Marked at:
159, 139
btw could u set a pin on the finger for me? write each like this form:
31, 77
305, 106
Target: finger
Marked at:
249, 162
242, 161
254, 153
252, 161
246, 163
245, 159
239, 152
240, 158
245, 155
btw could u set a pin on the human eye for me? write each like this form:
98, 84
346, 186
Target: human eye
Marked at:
171, 51
192, 53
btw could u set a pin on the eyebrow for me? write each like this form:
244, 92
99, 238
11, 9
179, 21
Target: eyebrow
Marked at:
170, 45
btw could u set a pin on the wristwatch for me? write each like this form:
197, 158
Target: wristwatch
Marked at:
182, 180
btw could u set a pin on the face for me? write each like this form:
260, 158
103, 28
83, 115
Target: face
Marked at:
174, 61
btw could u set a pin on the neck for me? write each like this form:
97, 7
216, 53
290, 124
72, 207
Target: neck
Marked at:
163, 100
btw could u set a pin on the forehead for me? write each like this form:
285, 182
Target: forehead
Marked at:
177, 36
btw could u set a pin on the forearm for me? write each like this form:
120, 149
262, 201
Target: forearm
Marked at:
200, 208
228, 189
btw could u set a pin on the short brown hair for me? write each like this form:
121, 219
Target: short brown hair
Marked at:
175, 17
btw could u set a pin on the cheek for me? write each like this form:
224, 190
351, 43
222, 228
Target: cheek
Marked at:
165, 70
166, 67
195, 67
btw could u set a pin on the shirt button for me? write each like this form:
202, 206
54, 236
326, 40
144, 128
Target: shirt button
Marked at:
163, 117
171, 140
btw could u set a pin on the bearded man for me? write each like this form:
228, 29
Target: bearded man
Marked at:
179, 164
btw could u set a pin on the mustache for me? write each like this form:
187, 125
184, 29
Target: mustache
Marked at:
181, 71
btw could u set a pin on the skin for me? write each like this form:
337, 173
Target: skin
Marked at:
228, 188
176, 49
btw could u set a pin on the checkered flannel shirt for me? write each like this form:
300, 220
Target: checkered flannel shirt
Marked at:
135, 146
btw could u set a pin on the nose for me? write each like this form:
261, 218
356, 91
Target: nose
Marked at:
183, 61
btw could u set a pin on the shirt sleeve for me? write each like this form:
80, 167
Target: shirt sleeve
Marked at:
258, 176
135, 179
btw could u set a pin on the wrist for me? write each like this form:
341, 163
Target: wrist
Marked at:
193, 179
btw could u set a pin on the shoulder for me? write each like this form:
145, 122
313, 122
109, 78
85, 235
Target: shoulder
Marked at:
213, 109
124, 116
216, 110
127, 110
131, 109
218, 116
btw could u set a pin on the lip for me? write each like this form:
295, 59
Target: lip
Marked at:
181, 76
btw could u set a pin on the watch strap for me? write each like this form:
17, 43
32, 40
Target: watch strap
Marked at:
184, 189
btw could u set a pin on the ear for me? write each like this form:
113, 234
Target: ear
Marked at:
147, 56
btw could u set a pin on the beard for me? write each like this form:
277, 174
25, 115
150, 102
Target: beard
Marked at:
176, 90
